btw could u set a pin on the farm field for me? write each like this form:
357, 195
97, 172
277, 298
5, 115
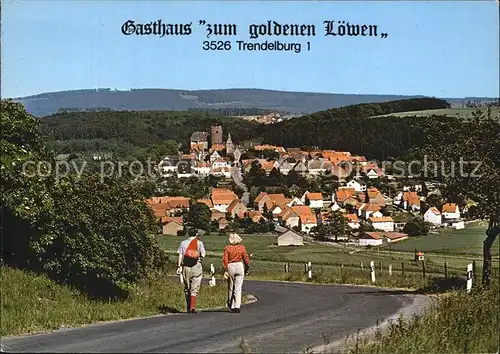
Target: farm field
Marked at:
449, 112
268, 258
468, 241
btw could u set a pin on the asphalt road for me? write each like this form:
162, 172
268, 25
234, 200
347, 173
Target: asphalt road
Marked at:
286, 318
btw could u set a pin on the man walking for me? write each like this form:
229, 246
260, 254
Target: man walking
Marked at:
191, 252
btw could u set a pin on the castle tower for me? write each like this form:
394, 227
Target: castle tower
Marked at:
229, 145
216, 135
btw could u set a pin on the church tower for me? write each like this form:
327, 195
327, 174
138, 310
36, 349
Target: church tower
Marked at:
229, 145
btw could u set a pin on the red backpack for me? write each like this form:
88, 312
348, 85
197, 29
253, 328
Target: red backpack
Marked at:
191, 256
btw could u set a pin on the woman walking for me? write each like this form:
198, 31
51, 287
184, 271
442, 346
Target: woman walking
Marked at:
236, 263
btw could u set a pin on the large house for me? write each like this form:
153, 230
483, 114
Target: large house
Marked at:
450, 211
314, 200
377, 238
352, 221
222, 198
433, 216
358, 186
384, 223
407, 200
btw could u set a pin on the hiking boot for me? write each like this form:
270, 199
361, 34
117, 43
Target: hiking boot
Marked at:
235, 310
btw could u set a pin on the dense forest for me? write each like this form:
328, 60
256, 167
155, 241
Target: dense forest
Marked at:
347, 128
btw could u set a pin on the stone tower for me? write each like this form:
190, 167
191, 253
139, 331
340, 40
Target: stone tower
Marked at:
229, 145
216, 135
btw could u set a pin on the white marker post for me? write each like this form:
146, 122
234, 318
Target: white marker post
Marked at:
469, 277
372, 271
390, 269
309, 270
211, 282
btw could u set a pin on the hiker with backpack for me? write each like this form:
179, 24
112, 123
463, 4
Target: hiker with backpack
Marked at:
191, 252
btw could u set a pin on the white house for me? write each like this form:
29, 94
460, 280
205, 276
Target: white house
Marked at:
307, 222
375, 238
221, 172
202, 168
370, 239
433, 216
215, 156
366, 210
276, 211
358, 187
450, 211
352, 221
385, 223
219, 163
290, 238
315, 200
334, 206
295, 201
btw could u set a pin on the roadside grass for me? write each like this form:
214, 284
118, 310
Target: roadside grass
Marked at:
32, 303
457, 323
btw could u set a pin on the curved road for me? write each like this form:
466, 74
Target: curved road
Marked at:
286, 318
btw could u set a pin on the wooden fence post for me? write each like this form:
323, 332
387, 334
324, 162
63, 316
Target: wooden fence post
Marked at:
423, 269
380, 268
341, 270
445, 270
402, 268
474, 270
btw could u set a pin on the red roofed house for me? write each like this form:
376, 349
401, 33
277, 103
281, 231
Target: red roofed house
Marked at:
384, 223
314, 200
369, 209
290, 217
375, 238
433, 216
450, 211
171, 225
237, 208
222, 198
352, 221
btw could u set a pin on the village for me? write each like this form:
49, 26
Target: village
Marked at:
372, 216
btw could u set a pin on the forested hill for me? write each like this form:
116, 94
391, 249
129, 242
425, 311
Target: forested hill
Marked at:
352, 129
179, 100
346, 128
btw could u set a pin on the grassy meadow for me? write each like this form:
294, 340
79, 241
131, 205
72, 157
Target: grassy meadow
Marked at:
350, 264
32, 303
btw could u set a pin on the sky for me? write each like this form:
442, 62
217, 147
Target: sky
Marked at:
434, 48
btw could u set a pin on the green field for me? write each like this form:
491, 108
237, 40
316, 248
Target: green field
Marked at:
449, 112
456, 248
468, 241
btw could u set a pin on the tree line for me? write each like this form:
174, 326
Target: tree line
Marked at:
347, 128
